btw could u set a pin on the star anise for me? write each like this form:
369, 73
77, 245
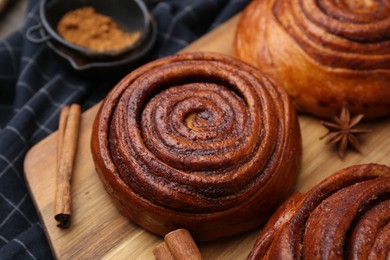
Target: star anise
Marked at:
343, 129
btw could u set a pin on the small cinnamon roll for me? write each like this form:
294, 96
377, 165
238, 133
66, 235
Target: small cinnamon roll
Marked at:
200, 141
347, 216
326, 53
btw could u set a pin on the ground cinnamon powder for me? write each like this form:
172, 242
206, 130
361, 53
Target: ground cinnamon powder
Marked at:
87, 28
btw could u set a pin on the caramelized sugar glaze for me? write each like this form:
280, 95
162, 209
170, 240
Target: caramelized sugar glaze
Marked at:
200, 141
326, 53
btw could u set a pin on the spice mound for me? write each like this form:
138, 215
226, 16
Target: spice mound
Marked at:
87, 28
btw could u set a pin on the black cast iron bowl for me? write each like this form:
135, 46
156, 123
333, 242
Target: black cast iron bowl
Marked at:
130, 15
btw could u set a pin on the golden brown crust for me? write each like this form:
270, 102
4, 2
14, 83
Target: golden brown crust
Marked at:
325, 54
199, 141
346, 216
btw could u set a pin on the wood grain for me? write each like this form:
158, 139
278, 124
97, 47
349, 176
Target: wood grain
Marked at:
99, 231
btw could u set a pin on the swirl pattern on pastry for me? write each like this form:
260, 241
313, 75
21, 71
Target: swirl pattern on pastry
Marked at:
199, 141
347, 216
326, 53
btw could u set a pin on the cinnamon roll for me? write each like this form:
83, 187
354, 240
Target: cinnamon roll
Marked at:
325, 53
347, 216
200, 141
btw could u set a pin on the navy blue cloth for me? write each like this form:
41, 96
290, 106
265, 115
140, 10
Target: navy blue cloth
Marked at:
35, 85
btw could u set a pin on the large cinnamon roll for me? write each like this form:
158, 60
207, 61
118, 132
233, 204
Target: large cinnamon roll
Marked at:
347, 216
326, 53
199, 141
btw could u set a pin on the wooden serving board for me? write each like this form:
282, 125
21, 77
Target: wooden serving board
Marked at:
98, 230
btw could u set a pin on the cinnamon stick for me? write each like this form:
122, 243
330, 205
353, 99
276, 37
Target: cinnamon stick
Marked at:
178, 245
161, 252
68, 131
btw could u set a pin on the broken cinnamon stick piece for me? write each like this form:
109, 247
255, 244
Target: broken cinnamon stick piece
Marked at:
180, 245
68, 131
161, 252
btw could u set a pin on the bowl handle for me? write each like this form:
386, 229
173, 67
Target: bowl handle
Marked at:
42, 37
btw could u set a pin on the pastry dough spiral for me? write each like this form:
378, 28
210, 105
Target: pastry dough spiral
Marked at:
326, 53
200, 141
347, 216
